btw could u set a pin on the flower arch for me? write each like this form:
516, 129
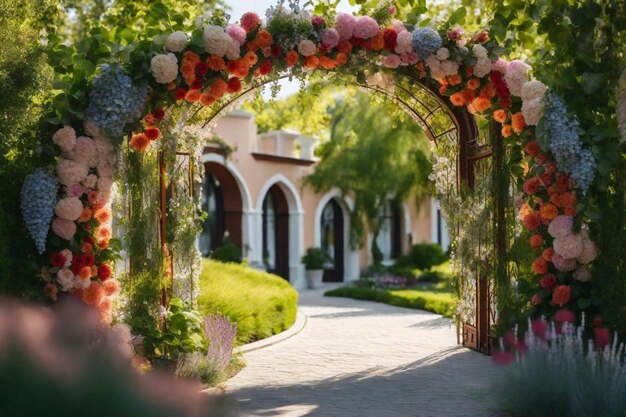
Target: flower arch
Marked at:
443, 77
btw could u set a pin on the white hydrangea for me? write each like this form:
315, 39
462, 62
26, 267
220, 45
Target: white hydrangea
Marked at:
436, 69
234, 50
216, 40
65, 278
479, 51
450, 67
398, 25
176, 41
532, 111
164, 68
405, 39
533, 89
516, 76
482, 67
443, 54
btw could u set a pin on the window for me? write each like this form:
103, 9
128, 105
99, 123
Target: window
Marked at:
390, 236
269, 231
328, 234
213, 204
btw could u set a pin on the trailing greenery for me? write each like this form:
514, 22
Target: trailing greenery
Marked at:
260, 304
437, 299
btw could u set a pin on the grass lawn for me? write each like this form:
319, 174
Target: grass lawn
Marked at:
261, 304
436, 298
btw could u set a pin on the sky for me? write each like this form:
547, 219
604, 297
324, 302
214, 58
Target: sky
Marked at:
239, 7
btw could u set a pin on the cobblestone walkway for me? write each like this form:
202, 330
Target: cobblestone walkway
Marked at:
364, 359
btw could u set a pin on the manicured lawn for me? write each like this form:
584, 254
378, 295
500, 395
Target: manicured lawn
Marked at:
261, 304
437, 298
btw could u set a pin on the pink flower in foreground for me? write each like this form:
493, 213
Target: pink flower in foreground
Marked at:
564, 316
502, 357
561, 226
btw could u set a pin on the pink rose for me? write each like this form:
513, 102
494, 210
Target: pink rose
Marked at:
65, 229
392, 61
237, 33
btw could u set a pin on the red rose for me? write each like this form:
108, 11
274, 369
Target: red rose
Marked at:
234, 85
564, 316
561, 295
201, 68
158, 114
196, 85
180, 94
88, 259
103, 244
532, 148
105, 271
390, 35
276, 51
603, 337
548, 281
57, 259
152, 133
532, 185
266, 67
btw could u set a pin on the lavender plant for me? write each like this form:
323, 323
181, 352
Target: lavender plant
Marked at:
220, 333
38, 197
556, 373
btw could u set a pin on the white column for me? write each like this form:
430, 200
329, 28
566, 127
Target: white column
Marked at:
296, 249
255, 221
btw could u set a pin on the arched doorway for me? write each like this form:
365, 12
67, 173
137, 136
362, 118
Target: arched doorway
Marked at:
276, 232
389, 238
332, 241
222, 200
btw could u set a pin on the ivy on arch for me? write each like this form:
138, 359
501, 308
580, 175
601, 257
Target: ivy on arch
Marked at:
144, 90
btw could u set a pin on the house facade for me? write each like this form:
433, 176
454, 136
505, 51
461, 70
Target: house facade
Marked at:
257, 199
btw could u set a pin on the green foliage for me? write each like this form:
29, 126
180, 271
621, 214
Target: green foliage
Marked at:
423, 256
23, 75
183, 332
315, 258
260, 304
196, 366
227, 252
430, 299
369, 138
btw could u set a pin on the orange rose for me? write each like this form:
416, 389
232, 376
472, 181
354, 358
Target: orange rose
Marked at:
218, 88
481, 104
292, 58
549, 211
215, 63
536, 241
327, 63
193, 95
191, 56
378, 41
517, 122
473, 83
263, 39
547, 254
455, 79
457, 99
500, 116
345, 47
506, 131
540, 266
342, 58
139, 142
311, 62
206, 99
251, 58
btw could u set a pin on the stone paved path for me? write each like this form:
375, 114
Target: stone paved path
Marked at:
364, 359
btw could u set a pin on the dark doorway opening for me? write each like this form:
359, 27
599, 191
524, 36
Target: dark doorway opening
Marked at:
276, 232
332, 242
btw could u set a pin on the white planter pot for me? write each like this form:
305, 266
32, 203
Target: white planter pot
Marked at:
314, 278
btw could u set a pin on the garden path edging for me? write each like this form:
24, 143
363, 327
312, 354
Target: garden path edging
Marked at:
297, 327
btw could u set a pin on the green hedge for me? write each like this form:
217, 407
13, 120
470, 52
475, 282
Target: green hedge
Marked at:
261, 304
431, 300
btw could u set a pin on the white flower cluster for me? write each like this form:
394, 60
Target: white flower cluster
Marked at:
164, 68
218, 42
516, 76
532, 101
439, 64
483, 63
176, 41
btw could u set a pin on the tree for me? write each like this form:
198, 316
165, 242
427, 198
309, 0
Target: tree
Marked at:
375, 154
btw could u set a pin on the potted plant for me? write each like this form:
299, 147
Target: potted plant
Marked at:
314, 261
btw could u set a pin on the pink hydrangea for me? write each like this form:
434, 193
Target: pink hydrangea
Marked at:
237, 33
589, 252
63, 228
365, 27
344, 24
71, 172
249, 21
392, 61
516, 76
405, 39
331, 38
562, 264
307, 47
568, 246
561, 226
68, 208
92, 129
84, 151
65, 138
75, 190
106, 170
501, 65
410, 58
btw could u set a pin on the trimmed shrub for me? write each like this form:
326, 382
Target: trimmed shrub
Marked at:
227, 252
260, 304
425, 256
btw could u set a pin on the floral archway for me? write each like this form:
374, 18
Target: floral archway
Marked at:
144, 91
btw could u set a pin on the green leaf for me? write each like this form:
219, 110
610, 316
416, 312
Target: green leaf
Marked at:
458, 17
592, 82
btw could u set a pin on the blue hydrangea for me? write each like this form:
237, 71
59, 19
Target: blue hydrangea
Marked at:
38, 197
561, 135
114, 101
426, 41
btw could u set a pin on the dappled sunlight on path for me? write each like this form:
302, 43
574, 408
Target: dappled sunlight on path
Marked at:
361, 359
